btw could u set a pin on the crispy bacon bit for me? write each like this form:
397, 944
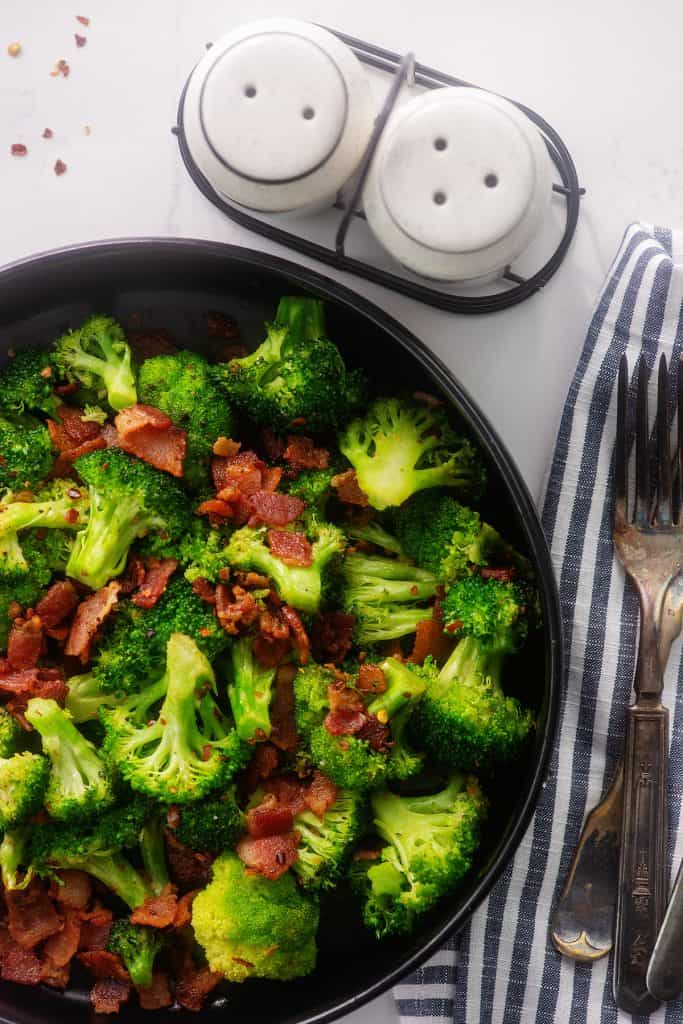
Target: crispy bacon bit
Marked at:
283, 727
80, 40
18, 149
299, 636
291, 548
371, 679
332, 636
271, 856
36, 682
242, 471
103, 964
269, 652
19, 965
454, 627
183, 914
194, 985
158, 995
376, 734
149, 434
271, 478
289, 791
31, 914
204, 589
64, 462
345, 721
343, 698
134, 576
61, 947
72, 890
320, 794
83, 20
263, 764
273, 509
108, 994
25, 644
54, 976
301, 453
503, 575
226, 447
72, 431
269, 818
189, 868
215, 509
148, 343
95, 928
348, 490
159, 572
157, 911
89, 616
60, 168
234, 607
429, 640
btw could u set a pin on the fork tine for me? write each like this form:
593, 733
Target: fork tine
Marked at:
621, 448
642, 506
663, 447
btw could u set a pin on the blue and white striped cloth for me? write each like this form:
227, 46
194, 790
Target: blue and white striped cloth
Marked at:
503, 968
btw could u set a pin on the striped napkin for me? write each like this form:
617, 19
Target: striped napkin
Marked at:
503, 968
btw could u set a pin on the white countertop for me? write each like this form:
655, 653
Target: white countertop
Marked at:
607, 75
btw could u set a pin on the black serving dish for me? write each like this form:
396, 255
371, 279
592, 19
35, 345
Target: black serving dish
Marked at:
173, 283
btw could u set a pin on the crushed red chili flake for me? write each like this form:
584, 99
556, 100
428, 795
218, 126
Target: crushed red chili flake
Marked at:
80, 40
48, 133
60, 168
83, 20
19, 149
61, 68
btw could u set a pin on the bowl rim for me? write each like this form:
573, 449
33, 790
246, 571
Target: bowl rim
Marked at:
329, 288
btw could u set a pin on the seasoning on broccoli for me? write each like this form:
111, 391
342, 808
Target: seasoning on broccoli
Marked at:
98, 356
386, 595
27, 384
27, 453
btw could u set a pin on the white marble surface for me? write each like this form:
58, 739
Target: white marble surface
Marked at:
608, 75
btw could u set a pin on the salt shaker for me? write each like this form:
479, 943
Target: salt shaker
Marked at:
459, 184
277, 115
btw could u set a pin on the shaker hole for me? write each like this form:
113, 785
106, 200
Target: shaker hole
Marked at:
491, 180
250, 91
308, 113
440, 143
439, 198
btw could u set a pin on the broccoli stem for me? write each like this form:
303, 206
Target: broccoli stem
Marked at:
250, 692
304, 317
13, 854
375, 534
117, 873
471, 663
101, 549
402, 687
153, 850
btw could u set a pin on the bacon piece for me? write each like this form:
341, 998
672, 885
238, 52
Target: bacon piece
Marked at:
271, 856
134, 575
158, 995
371, 679
283, 726
61, 947
183, 913
89, 616
95, 928
226, 448
205, 590
299, 635
146, 344
430, 640
108, 994
25, 681
273, 625
73, 431
269, 818
25, 644
345, 722
289, 791
273, 509
332, 636
139, 417
348, 489
75, 889
320, 794
194, 985
189, 868
20, 966
149, 434
103, 964
263, 764
343, 698
271, 478
64, 462
301, 453
376, 734
48, 683
58, 603
31, 914
242, 471
54, 976
158, 574
503, 575
269, 652
214, 508
234, 607
291, 548
157, 911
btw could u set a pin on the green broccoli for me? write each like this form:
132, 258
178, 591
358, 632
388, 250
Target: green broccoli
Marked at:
374, 533
300, 586
27, 384
250, 691
386, 596
398, 448
79, 783
98, 356
130, 654
27, 453
171, 741
430, 845
85, 696
23, 781
21, 589
58, 505
497, 612
211, 826
252, 927
10, 734
138, 947
16, 870
296, 379
128, 499
314, 486
182, 386
325, 844
153, 852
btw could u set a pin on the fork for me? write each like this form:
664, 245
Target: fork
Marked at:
650, 548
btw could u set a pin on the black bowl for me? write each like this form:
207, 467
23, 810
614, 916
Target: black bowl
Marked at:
173, 283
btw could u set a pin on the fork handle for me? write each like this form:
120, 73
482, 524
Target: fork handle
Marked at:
642, 861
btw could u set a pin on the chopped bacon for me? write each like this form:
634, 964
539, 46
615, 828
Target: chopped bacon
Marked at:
371, 679
31, 914
134, 576
25, 644
502, 575
159, 572
320, 794
107, 995
189, 868
157, 911
365, 853
263, 764
57, 604
146, 344
72, 889
89, 616
301, 453
95, 928
289, 791
299, 636
54, 976
271, 856
48, 683
269, 652
273, 625
19, 965
348, 490
61, 947
25, 681
273, 509
376, 734
242, 471
183, 913
103, 964
234, 607
205, 590
158, 995
150, 435
345, 721
271, 478
343, 698
226, 447
332, 636
430, 640
291, 548
64, 462
194, 985
283, 726
215, 509
73, 431
269, 818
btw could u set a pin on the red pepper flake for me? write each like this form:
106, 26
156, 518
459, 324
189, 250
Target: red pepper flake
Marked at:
80, 40
46, 371
61, 68
48, 133
83, 20
454, 627
18, 149
72, 515
60, 168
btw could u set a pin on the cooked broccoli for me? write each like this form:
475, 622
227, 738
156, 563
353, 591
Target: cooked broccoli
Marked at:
497, 612
314, 486
54, 506
27, 384
128, 499
129, 656
250, 691
252, 927
430, 844
79, 783
16, 870
138, 948
23, 781
296, 379
27, 453
297, 585
210, 826
171, 741
182, 386
398, 448
97, 356
18, 589
10, 734
85, 696
374, 533
325, 844
386, 596
153, 851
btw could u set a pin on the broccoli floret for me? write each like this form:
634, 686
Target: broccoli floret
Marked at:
16, 870
128, 499
250, 691
399, 448
98, 356
23, 781
252, 927
430, 844
153, 851
55, 506
297, 585
21, 588
94, 414
138, 948
374, 533
325, 844
497, 612
129, 657
182, 386
210, 826
171, 741
85, 696
386, 596
314, 486
10, 734
27, 453
27, 384
296, 379
79, 783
